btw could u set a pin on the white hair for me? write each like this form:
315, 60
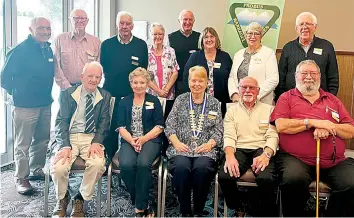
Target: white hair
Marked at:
123, 13
183, 12
307, 62
35, 20
313, 17
157, 25
254, 26
92, 63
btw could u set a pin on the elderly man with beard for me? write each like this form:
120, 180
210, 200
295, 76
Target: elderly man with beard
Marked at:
301, 116
249, 142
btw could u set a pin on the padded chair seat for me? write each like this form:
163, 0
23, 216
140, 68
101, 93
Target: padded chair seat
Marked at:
115, 162
248, 177
323, 188
79, 164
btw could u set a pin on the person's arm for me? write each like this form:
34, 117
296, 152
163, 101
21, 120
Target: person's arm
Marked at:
174, 68
345, 131
272, 140
233, 81
10, 70
59, 76
104, 121
62, 122
272, 77
293, 126
217, 131
283, 69
125, 135
158, 121
332, 72
172, 81
145, 61
230, 131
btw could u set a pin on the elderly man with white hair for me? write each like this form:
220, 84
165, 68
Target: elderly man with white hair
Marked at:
303, 115
74, 49
28, 77
120, 55
185, 42
81, 127
308, 47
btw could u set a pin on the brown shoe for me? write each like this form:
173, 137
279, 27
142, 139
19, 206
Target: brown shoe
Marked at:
78, 208
23, 186
60, 207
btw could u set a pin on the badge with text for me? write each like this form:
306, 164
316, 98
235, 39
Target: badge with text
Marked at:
317, 51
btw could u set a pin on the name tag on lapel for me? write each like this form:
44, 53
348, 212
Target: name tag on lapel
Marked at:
317, 51
149, 105
135, 63
50, 59
135, 58
217, 65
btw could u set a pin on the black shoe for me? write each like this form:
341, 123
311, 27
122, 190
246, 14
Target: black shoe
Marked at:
37, 174
23, 186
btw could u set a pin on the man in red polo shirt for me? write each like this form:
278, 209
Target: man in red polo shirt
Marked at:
301, 116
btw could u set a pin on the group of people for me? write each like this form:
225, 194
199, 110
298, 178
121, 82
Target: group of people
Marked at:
196, 79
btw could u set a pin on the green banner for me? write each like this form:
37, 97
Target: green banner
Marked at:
242, 12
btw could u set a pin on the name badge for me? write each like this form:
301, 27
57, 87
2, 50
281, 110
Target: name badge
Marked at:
264, 122
214, 113
317, 51
90, 57
150, 107
148, 103
258, 60
335, 116
192, 51
217, 65
135, 63
135, 58
50, 59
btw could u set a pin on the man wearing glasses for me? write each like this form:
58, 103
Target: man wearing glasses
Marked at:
249, 142
308, 46
302, 115
73, 50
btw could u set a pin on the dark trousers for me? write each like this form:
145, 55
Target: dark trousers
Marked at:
192, 173
266, 182
165, 142
296, 176
111, 141
136, 170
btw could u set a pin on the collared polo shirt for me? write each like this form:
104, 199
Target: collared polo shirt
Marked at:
292, 105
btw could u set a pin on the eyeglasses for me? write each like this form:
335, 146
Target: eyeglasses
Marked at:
255, 34
311, 73
158, 34
306, 24
251, 88
79, 18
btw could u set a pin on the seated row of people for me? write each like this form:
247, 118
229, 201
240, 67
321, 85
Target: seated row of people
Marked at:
196, 132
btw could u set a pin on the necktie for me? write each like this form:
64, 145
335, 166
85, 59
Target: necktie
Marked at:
89, 115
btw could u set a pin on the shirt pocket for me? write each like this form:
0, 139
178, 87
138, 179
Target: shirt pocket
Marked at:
66, 56
91, 56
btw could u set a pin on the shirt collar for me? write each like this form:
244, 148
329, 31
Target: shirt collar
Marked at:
72, 35
186, 34
30, 38
242, 105
121, 41
296, 92
84, 92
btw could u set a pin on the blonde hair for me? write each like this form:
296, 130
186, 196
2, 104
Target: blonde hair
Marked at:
139, 72
254, 26
213, 32
198, 71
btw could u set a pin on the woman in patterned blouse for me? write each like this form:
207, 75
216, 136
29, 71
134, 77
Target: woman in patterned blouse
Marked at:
140, 123
195, 130
163, 67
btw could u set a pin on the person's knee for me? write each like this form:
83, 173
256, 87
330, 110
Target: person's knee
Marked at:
144, 163
294, 178
266, 179
97, 163
59, 169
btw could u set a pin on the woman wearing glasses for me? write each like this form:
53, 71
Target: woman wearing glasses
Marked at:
257, 61
217, 63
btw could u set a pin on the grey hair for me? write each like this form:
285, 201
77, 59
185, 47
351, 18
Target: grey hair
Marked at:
92, 63
314, 18
139, 72
157, 25
183, 12
34, 21
254, 26
307, 62
123, 13
249, 77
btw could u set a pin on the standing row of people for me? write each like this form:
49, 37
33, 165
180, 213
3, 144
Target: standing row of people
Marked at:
172, 71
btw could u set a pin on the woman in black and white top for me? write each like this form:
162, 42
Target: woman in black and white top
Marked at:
195, 130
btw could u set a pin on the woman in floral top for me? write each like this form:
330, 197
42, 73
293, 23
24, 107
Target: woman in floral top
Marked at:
163, 67
195, 130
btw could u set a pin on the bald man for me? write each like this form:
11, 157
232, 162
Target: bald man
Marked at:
73, 50
184, 41
81, 126
28, 77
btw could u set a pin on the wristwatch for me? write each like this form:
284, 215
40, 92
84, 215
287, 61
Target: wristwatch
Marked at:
306, 122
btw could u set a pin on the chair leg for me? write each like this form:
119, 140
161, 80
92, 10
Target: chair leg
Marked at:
159, 189
280, 205
164, 184
109, 183
46, 193
98, 198
327, 203
216, 196
225, 209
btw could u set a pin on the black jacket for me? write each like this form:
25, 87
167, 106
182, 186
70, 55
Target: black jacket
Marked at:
68, 105
28, 74
220, 75
293, 54
151, 117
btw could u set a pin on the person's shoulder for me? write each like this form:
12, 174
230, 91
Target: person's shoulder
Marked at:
110, 40
174, 33
265, 107
239, 52
169, 49
92, 37
104, 93
213, 101
266, 50
182, 97
321, 41
150, 97
63, 36
290, 44
139, 41
196, 33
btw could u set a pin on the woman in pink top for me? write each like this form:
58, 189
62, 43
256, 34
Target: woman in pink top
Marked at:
163, 67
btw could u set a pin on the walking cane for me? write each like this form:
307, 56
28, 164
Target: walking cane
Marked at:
317, 175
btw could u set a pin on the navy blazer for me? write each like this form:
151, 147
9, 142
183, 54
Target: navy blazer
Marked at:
220, 75
150, 117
